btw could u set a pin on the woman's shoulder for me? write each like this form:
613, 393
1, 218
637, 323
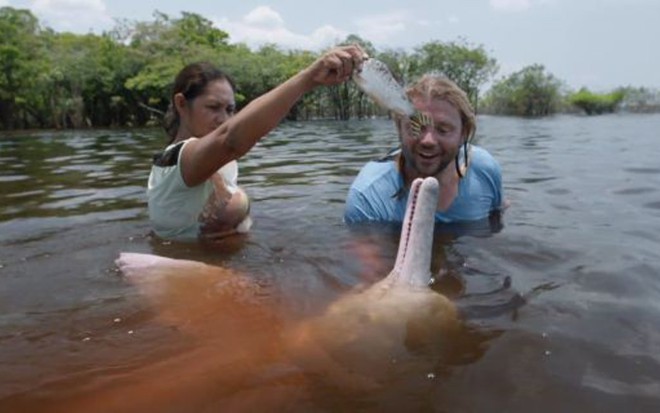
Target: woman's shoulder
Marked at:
170, 155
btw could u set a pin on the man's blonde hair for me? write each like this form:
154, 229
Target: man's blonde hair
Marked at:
436, 86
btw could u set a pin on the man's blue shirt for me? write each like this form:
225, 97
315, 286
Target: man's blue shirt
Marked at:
373, 194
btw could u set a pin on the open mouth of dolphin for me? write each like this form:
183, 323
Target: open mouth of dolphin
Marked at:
413, 261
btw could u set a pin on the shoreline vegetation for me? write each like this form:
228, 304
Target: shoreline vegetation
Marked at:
121, 78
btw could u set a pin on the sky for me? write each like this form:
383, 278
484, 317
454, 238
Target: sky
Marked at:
599, 44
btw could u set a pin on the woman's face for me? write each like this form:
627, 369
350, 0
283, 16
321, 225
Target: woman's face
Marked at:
209, 110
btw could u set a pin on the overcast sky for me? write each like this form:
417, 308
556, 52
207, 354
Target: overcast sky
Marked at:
600, 44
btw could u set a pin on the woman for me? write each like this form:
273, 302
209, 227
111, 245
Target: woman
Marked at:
192, 190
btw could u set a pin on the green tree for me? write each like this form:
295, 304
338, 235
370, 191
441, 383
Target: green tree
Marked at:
164, 46
255, 73
295, 61
346, 100
20, 64
528, 92
81, 78
401, 63
366, 45
596, 103
640, 99
467, 65
403, 67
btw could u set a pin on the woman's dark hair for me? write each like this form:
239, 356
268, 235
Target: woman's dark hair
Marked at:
191, 82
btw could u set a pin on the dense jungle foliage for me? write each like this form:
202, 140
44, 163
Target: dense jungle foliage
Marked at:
123, 77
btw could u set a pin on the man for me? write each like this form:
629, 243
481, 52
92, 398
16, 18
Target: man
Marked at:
435, 142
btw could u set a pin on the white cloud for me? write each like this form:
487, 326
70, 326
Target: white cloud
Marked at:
380, 28
519, 5
264, 25
4, 3
629, 2
510, 5
265, 17
73, 15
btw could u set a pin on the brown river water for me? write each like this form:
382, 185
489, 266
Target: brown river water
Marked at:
560, 302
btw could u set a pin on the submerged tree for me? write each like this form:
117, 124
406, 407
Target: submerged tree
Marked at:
640, 99
528, 92
20, 66
596, 103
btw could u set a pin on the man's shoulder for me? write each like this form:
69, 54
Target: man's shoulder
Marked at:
482, 160
370, 196
374, 172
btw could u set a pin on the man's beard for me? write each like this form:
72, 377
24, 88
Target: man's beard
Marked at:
411, 163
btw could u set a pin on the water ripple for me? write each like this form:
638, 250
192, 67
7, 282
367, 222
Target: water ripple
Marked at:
71, 200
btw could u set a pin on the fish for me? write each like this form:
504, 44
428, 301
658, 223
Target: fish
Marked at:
356, 344
375, 79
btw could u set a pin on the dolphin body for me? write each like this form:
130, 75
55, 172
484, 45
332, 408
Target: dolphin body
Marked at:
358, 343
358, 340
363, 335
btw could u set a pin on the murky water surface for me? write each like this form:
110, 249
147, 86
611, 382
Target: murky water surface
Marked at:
579, 243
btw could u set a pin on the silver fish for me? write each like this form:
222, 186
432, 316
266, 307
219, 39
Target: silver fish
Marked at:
377, 82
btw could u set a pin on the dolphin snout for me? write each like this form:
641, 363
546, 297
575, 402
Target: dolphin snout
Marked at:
430, 185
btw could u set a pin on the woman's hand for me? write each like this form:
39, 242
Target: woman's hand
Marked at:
336, 65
